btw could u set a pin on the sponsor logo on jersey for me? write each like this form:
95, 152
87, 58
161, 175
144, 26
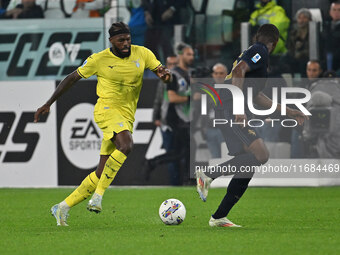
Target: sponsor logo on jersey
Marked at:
256, 58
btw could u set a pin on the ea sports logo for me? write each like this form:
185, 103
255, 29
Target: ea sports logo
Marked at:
80, 137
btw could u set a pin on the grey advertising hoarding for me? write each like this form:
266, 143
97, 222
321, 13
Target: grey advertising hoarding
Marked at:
48, 49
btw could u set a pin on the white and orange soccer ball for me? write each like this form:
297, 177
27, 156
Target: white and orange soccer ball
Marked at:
172, 212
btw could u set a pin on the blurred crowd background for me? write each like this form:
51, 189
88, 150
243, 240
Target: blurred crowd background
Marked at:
217, 31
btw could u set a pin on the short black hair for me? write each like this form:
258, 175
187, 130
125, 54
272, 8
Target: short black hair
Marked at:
172, 55
181, 46
119, 28
268, 33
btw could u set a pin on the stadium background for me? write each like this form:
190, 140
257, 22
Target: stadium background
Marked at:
63, 148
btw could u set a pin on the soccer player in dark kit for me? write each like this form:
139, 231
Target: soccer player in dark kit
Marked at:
244, 142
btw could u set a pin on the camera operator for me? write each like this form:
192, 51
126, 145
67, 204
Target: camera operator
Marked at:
324, 105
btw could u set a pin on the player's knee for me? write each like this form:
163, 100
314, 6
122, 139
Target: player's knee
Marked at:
126, 148
262, 156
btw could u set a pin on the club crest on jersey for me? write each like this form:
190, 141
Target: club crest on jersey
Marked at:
256, 58
136, 62
84, 63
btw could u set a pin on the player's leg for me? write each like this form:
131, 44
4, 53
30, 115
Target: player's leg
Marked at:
123, 143
85, 189
256, 155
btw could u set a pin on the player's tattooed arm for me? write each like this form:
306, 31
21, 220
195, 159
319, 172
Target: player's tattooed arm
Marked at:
63, 86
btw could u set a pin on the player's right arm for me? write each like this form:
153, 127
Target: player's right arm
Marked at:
63, 86
238, 76
239, 73
88, 68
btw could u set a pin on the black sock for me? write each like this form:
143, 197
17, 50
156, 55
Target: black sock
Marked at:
238, 184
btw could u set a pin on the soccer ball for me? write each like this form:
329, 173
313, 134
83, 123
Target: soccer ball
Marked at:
172, 212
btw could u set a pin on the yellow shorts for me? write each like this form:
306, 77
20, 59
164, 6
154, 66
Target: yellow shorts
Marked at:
111, 122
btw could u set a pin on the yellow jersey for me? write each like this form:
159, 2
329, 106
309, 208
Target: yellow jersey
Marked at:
119, 79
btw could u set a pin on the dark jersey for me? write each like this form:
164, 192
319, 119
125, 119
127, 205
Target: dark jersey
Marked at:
256, 56
178, 113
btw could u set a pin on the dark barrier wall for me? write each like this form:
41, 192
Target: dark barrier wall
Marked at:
79, 138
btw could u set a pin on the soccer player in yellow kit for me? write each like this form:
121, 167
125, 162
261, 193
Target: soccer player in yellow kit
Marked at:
119, 71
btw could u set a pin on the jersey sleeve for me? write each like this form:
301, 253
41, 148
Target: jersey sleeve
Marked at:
88, 68
151, 62
173, 84
255, 57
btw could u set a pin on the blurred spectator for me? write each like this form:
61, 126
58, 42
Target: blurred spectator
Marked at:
214, 136
28, 9
178, 115
298, 41
90, 8
325, 102
219, 72
331, 37
269, 12
158, 117
137, 22
160, 112
313, 71
3, 6
160, 16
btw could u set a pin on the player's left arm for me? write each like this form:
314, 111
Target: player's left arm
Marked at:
163, 73
153, 64
262, 100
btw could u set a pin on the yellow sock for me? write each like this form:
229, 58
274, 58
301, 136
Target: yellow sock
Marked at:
112, 165
84, 190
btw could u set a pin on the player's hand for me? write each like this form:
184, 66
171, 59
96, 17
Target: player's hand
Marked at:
164, 74
41, 111
241, 118
297, 115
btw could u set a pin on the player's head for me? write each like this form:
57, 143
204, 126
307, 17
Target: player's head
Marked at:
219, 73
120, 39
171, 61
268, 34
185, 54
313, 69
334, 11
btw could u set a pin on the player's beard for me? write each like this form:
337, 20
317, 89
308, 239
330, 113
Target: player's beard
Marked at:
121, 54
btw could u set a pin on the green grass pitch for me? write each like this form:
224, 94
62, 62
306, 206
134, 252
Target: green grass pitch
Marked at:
275, 221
